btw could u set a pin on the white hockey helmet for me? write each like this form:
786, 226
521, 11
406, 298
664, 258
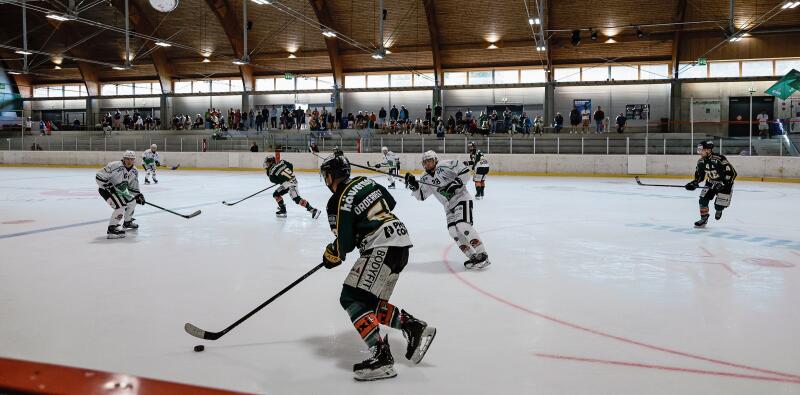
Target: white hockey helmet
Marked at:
430, 154
385, 150
269, 160
129, 155
153, 146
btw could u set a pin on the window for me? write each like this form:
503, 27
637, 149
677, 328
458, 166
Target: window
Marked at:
220, 86
401, 80
784, 66
41, 91
624, 73
306, 83
378, 81
480, 78
654, 71
599, 73
505, 76
73, 90
756, 68
143, 88
567, 74
723, 69
532, 76
692, 70
125, 89
325, 82
201, 87
265, 84
237, 85
55, 91
424, 79
355, 81
283, 84
183, 86
455, 78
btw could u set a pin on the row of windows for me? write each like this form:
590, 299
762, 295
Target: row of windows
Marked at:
130, 88
209, 86
746, 68
608, 72
60, 91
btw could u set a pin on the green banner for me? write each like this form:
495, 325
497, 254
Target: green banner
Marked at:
786, 86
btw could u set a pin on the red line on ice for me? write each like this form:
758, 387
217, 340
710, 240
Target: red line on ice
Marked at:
670, 368
600, 333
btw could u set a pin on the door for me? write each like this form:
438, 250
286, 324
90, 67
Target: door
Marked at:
739, 117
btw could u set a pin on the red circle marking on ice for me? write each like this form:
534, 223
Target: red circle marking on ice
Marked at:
768, 262
17, 222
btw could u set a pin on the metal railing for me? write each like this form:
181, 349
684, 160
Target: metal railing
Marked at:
564, 144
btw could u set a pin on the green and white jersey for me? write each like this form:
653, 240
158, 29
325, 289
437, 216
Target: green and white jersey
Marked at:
149, 157
478, 159
391, 160
124, 180
281, 172
446, 172
360, 215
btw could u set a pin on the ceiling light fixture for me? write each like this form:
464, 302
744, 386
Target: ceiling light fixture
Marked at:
492, 46
206, 60
541, 48
21, 52
163, 44
14, 72
118, 68
790, 4
61, 18
262, 2
292, 56
56, 67
379, 54
239, 62
611, 41
534, 21
329, 33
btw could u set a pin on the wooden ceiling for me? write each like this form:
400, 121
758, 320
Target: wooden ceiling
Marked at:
465, 30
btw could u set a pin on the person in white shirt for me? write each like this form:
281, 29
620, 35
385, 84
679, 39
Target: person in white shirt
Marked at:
763, 124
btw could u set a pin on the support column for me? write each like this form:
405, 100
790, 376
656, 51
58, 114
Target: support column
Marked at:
549, 103
675, 106
166, 111
92, 113
437, 95
247, 101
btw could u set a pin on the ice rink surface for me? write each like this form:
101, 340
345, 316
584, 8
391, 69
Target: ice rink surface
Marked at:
598, 286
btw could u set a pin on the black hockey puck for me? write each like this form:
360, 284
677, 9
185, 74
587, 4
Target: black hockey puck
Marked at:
199, 348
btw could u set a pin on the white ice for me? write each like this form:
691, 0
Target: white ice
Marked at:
598, 286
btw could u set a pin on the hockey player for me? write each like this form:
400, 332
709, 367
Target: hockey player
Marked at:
150, 161
282, 173
392, 161
718, 175
480, 168
450, 176
119, 186
360, 215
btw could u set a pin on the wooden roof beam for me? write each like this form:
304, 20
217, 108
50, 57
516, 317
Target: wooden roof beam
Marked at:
331, 43
141, 23
226, 16
433, 30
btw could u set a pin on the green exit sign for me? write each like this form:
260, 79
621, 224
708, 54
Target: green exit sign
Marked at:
288, 76
702, 61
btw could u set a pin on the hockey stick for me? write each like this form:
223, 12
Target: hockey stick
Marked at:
241, 200
378, 171
199, 333
638, 181
192, 215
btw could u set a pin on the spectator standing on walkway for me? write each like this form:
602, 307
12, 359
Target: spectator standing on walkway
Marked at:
493, 122
620, 121
393, 113
599, 117
558, 122
574, 120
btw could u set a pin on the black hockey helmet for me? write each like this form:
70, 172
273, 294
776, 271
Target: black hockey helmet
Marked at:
337, 151
706, 145
269, 160
471, 146
337, 166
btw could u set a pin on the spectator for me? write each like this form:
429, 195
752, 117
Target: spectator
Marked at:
273, 117
585, 115
207, 118
574, 120
313, 147
404, 114
237, 119
527, 125
558, 122
437, 112
482, 120
620, 121
393, 113
507, 119
254, 147
440, 130
338, 115
523, 122
382, 117
493, 122
372, 119
76, 124
198, 122
428, 113
451, 125
459, 118
763, 124
538, 124
259, 122
599, 117
251, 116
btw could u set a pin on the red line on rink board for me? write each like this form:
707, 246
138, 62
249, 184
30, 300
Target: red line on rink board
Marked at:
490, 295
670, 368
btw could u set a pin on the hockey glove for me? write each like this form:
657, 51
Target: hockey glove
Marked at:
378, 166
718, 186
139, 199
412, 182
450, 189
692, 186
158, 164
330, 258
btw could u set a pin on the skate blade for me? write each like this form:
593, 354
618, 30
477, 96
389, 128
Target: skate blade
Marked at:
115, 236
384, 372
699, 226
427, 338
280, 215
478, 265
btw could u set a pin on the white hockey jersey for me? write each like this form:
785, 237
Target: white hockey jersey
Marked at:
446, 172
115, 175
150, 158
391, 160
